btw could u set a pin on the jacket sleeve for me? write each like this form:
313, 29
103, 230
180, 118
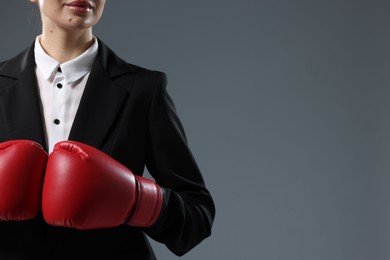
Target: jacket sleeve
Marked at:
188, 211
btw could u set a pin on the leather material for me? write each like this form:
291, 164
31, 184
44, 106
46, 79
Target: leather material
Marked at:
85, 188
22, 165
149, 203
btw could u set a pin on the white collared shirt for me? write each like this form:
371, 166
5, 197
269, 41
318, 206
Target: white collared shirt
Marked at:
60, 88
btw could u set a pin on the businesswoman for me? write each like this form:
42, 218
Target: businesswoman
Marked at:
78, 126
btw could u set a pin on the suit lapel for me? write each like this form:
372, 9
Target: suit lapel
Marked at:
20, 101
100, 104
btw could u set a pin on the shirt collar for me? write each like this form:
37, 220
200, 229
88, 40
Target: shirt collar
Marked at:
72, 70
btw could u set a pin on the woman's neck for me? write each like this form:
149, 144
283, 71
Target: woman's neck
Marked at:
65, 45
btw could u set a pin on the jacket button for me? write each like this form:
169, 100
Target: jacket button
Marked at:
56, 121
59, 85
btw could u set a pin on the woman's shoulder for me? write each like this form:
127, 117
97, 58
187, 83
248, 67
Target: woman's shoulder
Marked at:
12, 67
122, 70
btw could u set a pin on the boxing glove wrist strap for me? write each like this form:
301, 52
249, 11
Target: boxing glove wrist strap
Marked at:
149, 203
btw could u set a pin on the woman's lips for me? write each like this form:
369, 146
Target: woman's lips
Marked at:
79, 6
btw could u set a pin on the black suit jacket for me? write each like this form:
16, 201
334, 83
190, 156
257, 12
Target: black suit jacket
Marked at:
126, 112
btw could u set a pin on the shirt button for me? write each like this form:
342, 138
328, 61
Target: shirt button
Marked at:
59, 85
59, 69
56, 121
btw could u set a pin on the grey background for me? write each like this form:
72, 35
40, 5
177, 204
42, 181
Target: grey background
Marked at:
285, 104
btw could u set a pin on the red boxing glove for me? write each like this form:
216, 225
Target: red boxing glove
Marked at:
22, 165
84, 188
